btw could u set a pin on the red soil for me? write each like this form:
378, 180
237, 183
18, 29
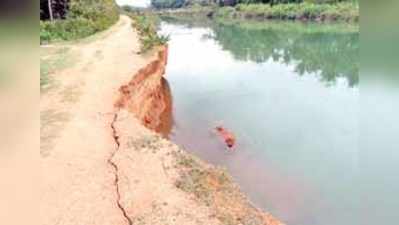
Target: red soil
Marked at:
148, 96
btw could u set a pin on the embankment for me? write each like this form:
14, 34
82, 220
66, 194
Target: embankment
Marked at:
157, 181
101, 166
148, 96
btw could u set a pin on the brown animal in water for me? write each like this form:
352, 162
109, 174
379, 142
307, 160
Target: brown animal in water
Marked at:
227, 136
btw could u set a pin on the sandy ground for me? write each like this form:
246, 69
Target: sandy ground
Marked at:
101, 166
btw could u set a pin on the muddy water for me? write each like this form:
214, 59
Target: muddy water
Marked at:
289, 93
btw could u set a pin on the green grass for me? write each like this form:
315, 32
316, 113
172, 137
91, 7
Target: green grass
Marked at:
146, 25
84, 18
345, 11
59, 60
44, 73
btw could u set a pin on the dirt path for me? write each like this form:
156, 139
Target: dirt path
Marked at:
100, 166
76, 137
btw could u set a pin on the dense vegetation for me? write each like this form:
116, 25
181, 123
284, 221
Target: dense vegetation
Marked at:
321, 10
83, 18
181, 3
53, 9
302, 11
146, 25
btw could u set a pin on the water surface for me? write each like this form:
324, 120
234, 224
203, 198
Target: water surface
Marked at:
289, 92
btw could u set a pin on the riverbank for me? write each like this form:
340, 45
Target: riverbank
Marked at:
347, 12
343, 12
278, 25
100, 163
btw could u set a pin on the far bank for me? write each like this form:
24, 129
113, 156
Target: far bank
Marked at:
336, 12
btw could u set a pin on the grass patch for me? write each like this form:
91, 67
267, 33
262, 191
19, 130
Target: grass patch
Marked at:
346, 11
199, 180
44, 73
59, 60
84, 18
146, 25
215, 188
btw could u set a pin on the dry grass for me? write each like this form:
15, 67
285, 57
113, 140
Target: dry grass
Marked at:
52, 60
215, 188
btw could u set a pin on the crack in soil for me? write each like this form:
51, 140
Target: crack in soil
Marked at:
116, 181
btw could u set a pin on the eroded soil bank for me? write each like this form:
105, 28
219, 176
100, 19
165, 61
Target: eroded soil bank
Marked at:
148, 95
179, 188
101, 166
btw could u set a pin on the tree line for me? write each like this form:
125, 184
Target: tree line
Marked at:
182, 3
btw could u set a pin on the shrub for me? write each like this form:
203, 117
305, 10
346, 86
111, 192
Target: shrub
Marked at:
341, 11
225, 12
146, 27
84, 18
311, 11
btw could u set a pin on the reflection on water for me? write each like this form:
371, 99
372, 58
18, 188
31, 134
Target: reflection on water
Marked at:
166, 116
289, 93
332, 51
331, 54
379, 154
